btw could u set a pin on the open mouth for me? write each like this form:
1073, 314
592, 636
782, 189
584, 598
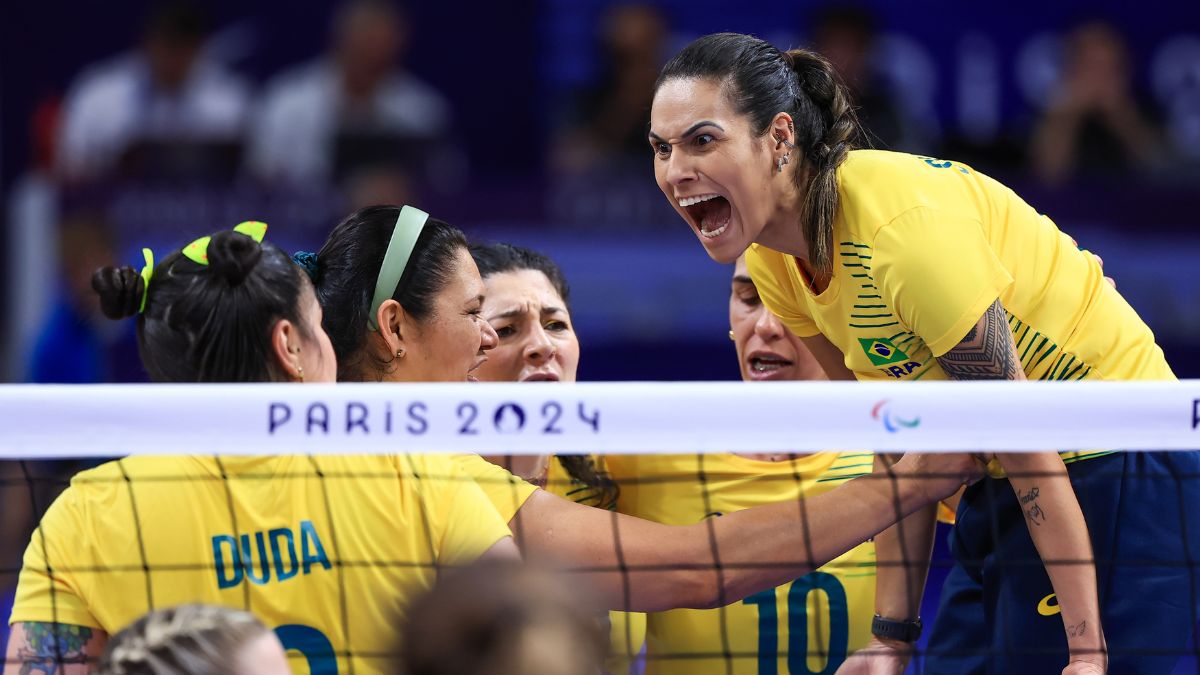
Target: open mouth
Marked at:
711, 213
766, 364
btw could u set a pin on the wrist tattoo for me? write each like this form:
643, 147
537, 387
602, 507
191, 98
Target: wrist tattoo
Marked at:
1078, 629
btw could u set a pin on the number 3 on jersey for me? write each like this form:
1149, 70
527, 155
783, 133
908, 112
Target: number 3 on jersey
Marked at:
799, 623
312, 644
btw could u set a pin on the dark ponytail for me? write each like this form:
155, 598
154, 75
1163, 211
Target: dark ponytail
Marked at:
761, 82
834, 129
209, 323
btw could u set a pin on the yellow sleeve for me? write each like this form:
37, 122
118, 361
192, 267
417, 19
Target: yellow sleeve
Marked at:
769, 270
462, 518
47, 590
506, 492
939, 273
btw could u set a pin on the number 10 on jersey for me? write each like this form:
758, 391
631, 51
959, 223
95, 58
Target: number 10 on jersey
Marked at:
798, 620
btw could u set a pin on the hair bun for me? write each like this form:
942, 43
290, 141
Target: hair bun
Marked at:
231, 256
120, 290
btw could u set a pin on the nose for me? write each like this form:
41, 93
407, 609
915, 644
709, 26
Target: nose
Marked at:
487, 337
680, 169
540, 347
768, 326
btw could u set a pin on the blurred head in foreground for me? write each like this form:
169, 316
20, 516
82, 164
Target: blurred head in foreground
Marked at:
501, 619
195, 640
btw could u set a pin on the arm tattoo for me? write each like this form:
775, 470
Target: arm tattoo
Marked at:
1037, 516
1078, 629
986, 353
50, 646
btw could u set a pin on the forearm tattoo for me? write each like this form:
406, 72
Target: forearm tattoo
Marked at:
1033, 510
49, 647
986, 353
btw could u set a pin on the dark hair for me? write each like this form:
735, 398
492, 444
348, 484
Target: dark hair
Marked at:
209, 323
500, 258
347, 267
761, 82
503, 618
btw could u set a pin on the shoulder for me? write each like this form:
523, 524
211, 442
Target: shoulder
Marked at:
113, 78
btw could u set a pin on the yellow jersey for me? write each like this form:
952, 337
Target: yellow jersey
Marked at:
325, 550
808, 625
922, 248
504, 490
627, 630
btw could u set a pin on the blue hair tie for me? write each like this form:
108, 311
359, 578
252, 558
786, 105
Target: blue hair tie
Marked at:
308, 262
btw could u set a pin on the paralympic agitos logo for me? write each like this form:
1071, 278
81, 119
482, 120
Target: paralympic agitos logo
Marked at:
891, 422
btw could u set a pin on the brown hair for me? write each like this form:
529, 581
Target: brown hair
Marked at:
503, 618
762, 82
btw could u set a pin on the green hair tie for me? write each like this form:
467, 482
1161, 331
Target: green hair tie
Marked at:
408, 228
147, 273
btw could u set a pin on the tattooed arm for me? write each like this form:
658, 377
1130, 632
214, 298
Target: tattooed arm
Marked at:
44, 648
1044, 491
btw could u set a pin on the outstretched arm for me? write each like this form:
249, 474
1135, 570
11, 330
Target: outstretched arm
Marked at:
1044, 491
52, 649
639, 565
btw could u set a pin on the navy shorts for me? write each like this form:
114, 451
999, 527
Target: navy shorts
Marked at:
1143, 514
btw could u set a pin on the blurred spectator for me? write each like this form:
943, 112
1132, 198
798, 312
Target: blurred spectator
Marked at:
197, 640
380, 185
165, 93
32, 241
606, 123
1094, 124
77, 345
846, 35
354, 108
503, 619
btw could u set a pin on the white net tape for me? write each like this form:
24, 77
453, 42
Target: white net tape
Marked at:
107, 420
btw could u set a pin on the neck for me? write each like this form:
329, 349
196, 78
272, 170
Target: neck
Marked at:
782, 231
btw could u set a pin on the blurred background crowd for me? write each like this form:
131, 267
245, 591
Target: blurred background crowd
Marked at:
141, 124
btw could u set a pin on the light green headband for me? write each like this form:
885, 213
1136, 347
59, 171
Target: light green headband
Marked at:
404, 239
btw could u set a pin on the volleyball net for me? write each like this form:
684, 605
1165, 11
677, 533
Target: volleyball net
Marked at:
674, 453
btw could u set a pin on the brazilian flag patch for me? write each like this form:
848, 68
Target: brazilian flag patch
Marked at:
881, 351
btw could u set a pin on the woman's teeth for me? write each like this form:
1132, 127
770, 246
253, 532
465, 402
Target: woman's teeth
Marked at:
689, 201
711, 234
767, 366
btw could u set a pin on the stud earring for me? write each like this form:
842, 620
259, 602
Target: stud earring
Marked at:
731, 336
300, 372
400, 353
781, 162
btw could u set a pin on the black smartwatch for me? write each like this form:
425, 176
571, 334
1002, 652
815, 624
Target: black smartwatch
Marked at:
904, 631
